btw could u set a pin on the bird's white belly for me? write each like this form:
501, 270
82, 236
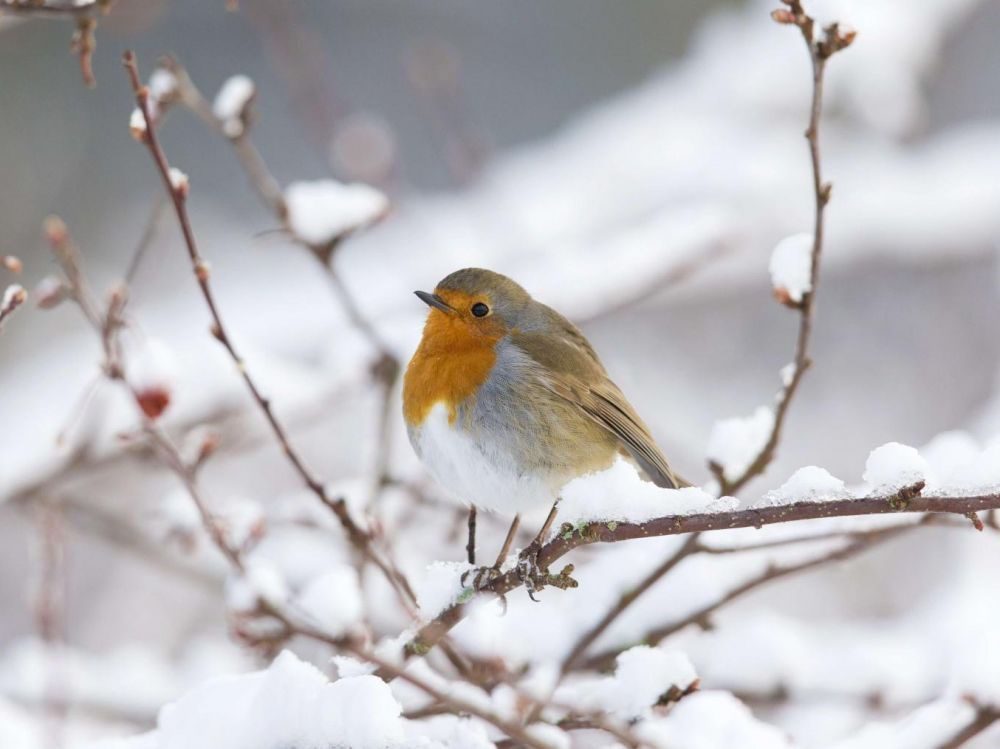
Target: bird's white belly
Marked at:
477, 473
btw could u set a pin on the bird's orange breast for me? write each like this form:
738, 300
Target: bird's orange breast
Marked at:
454, 358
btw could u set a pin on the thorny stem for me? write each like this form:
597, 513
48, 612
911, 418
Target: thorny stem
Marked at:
820, 50
359, 538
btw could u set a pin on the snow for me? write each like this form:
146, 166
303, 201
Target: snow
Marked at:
321, 211
162, 84
708, 720
931, 725
620, 494
440, 586
262, 582
231, 102
333, 600
137, 124
791, 266
151, 364
735, 443
807, 484
179, 180
642, 676
893, 466
291, 703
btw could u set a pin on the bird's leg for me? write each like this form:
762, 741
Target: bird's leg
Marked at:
484, 576
527, 562
470, 547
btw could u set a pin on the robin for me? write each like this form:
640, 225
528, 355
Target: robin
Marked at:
506, 401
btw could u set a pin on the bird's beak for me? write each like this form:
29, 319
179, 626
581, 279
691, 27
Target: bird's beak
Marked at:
435, 301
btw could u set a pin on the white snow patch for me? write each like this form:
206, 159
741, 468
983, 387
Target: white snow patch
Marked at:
708, 720
162, 84
930, 725
262, 582
791, 266
620, 494
642, 675
807, 484
735, 443
179, 180
291, 703
892, 466
440, 586
323, 210
231, 102
333, 599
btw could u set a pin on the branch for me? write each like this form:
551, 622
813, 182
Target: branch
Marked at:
984, 718
605, 659
82, 13
359, 538
13, 297
820, 50
627, 598
387, 366
907, 500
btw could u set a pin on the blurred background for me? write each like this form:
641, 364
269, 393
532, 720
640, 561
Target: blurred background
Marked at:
632, 164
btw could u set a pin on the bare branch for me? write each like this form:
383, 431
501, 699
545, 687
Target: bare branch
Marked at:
820, 50
906, 500
605, 659
359, 537
984, 718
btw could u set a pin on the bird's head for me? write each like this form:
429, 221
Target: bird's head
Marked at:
476, 305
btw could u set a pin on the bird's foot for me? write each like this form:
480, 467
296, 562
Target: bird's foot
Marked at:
535, 577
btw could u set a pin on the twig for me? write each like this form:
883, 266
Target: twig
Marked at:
149, 232
387, 366
49, 615
984, 718
605, 659
82, 13
689, 547
906, 500
359, 537
13, 297
820, 50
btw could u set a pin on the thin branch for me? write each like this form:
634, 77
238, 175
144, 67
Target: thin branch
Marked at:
984, 718
630, 596
387, 366
82, 13
358, 537
605, 659
820, 50
13, 297
906, 500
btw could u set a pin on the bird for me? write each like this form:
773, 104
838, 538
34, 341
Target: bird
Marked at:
505, 401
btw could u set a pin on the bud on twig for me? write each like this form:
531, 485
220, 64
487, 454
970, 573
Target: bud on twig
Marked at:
11, 263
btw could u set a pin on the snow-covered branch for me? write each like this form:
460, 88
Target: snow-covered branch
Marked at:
795, 286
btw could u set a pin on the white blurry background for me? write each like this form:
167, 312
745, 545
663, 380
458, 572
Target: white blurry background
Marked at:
589, 150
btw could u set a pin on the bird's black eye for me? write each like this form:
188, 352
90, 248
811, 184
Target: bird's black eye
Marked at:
480, 310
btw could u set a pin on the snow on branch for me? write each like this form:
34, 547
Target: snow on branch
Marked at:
359, 537
794, 265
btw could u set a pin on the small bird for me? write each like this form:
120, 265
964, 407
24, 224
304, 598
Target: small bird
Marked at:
506, 401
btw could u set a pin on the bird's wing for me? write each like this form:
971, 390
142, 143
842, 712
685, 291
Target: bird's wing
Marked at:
573, 372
